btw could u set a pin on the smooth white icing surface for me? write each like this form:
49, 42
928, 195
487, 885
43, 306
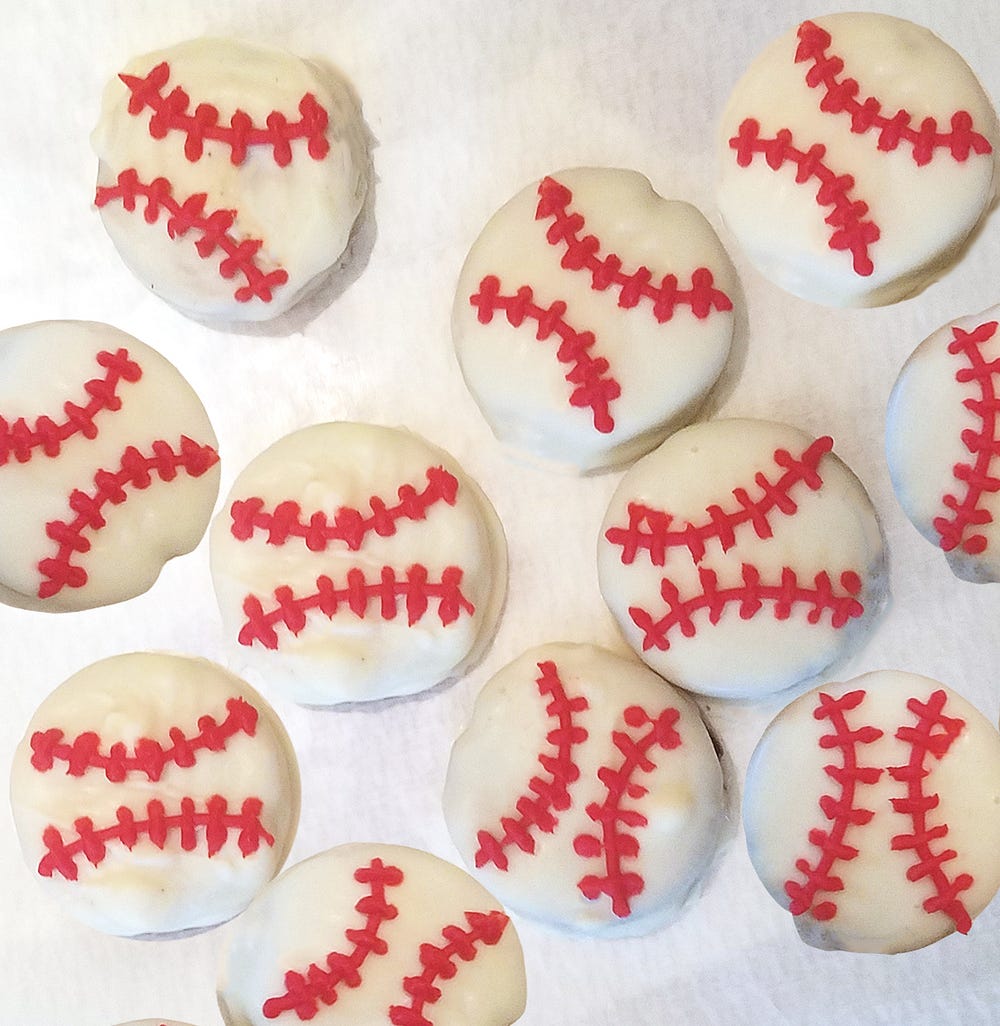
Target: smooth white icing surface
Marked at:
665, 370
833, 529
878, 909
348, 658
44, 366
153, 890
497, 756
923, 213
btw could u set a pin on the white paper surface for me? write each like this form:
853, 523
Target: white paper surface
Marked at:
469, 102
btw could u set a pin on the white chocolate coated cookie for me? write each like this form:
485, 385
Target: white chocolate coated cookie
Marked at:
154, 794
586, 791
108, 465
231, 174
154, 1022
373, 933
856, 155
872, 812
593, 317
355, 562
741, 557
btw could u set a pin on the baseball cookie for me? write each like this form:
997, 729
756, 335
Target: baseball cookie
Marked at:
586, 791
593, 317
943, 441
741, 557
355, 562
154, 794
231, 175
857, 154
397, 936
872, 813
108, 465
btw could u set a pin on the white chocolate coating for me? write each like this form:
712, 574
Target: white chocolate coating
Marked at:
305, 914
498, 756
879, 908
121, 546
171, 883
302, 212
346, 657
923, 212
154, 1022
664, 368
761, 637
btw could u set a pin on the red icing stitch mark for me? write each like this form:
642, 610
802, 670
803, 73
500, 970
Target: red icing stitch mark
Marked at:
840, 96
215, 821
239, 256
842, 811
650, 529
148, 756
414, 589
349, 525
614, 845
19, 440
547, 794
932, 734
606, 272
305, 991
171, 113
595, 387
440, 963
135, 471
978, 477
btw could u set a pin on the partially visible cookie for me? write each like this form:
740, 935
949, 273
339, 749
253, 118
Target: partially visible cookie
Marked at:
154, 1022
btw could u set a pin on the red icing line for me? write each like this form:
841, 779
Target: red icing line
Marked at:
414, 589
924, 740
441, 963
148, 756
171, 113
349, 525
842, 811
239, 257
614, 844
979, 478
135, 471
547, 795
305, 991
19, 440
216, 822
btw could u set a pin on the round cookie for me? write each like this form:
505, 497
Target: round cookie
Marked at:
872, 812
154, 794
741, 557
856, 155
355, 562
943, 440
586, 791
592, 317
399, 936
231, 175
108, 465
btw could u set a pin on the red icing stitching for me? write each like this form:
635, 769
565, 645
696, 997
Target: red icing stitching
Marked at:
614, 845
547, 794
979, 478
18, 440
414, 589
239, 257
136, 471
840, 810
170, 113
924, 740
349, 525
215, 820
304, 991
148, 756
440, 963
